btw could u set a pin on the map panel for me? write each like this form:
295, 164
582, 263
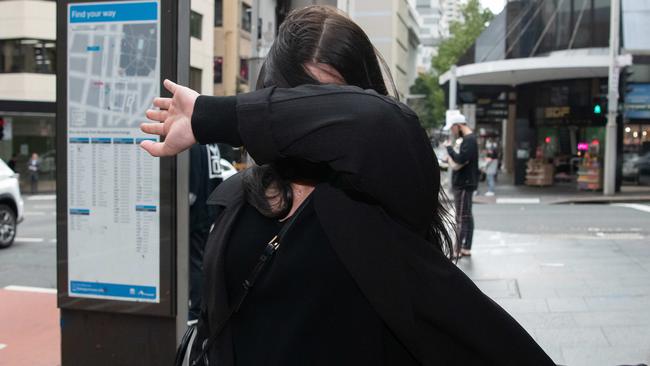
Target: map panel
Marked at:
113, 185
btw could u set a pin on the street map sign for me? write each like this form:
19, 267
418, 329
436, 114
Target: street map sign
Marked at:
113, 203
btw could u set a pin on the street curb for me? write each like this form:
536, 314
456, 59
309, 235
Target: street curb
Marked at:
599, 200
575, 200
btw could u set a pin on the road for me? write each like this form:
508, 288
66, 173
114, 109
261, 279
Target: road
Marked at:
577, 277
31, 261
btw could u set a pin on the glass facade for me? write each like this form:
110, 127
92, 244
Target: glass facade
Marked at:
27, 55
529, 28
24, 135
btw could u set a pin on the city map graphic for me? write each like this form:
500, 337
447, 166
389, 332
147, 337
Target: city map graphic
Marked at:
112, 75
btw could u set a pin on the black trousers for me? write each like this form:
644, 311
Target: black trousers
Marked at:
464, 217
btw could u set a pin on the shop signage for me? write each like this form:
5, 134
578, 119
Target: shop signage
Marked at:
637, 102
556, 112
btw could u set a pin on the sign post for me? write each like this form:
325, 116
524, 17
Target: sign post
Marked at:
121, 214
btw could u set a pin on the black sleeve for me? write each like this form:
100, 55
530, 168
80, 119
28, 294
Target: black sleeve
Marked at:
375, 143
466, 151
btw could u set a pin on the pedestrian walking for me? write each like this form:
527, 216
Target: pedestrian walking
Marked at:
491, 169
34, 167
464, 180
359, 274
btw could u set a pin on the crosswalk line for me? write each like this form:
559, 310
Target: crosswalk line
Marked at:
635, 206
29, 240
40, 290
42, 197
516, 201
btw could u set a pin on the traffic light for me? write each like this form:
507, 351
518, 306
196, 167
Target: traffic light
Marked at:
598, 106
2, 128
598, 109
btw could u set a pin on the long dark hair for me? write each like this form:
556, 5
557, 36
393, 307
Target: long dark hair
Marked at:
321, 35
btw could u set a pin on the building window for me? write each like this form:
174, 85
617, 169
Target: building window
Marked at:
246, 17
27, 55
195, 79
218, 13
243, 69
196, 24
218, 70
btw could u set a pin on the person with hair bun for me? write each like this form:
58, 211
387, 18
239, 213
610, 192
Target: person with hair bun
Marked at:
362, 276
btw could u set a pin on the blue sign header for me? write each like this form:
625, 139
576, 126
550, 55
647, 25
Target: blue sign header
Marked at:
114, 12
637, 102
113, 290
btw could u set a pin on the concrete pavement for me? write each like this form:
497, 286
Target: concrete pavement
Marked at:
583, 294
577, 277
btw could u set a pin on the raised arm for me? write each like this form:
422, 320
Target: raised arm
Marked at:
375, 143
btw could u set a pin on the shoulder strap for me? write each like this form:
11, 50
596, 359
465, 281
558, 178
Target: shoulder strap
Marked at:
270, 249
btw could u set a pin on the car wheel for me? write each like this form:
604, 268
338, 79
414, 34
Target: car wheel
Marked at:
7, 226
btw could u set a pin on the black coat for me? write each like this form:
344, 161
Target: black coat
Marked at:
467, 176
375, 214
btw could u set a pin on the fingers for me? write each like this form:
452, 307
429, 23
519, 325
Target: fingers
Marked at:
153, 128
154, 148
170, 85
157, 115
162, 103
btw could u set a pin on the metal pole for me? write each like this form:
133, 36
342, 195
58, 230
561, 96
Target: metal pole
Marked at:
609, 186
453, 84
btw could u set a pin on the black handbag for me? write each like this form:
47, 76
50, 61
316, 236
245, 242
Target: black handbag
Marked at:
191, 333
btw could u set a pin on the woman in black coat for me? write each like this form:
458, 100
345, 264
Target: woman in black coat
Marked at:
362, 277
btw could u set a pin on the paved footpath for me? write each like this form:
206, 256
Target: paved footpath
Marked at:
585, 296
29, 328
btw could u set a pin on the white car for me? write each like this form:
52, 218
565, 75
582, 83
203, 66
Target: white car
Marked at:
11, 205
227, 169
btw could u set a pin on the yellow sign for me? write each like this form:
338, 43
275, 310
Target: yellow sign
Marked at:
556, 112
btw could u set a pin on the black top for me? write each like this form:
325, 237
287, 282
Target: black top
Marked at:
467, 176
305, 308
378, 237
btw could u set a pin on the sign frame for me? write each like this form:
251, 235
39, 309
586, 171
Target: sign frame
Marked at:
173, 241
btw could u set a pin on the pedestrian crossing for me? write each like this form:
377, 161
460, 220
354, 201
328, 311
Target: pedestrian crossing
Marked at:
634, 206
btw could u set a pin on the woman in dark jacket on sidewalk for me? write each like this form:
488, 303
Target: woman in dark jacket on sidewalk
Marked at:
362, 277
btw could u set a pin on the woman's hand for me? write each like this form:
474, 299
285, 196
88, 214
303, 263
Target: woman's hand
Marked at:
173, 121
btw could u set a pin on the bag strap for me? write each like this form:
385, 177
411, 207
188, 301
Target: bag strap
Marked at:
268, 253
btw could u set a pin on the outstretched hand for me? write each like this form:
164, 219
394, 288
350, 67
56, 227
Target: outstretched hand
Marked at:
173, 121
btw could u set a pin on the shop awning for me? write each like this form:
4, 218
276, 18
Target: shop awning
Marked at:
534, 69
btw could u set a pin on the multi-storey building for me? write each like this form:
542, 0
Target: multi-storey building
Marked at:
536, 82
28, 84
233, 22
201, 45
393, 27
430, 12
450, 13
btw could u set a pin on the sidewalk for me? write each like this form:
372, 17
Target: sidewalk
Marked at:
559, 193
29, 329
584, 299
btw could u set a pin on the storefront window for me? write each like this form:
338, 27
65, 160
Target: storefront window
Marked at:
27, 55
25, 135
